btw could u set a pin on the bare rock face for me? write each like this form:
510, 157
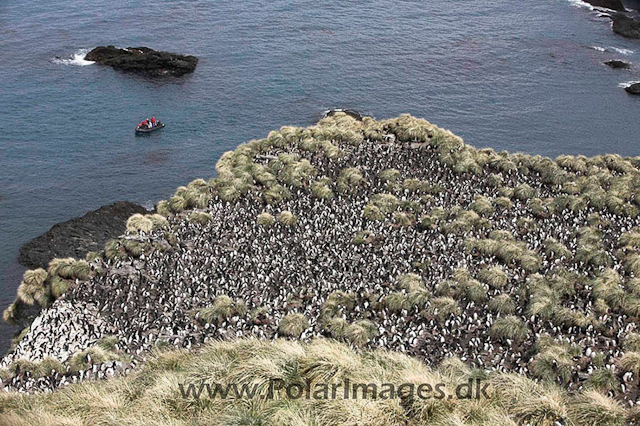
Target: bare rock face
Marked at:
143, 60
77, 237
626, 26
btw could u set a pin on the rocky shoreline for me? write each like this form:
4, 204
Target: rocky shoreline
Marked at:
390, 234
79, 236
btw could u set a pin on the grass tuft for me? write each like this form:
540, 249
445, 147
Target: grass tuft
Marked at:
287, 218
509, 327
293, 325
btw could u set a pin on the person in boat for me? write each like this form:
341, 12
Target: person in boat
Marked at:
144, 123
153, 122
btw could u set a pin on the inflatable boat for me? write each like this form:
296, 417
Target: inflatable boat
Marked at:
159, 125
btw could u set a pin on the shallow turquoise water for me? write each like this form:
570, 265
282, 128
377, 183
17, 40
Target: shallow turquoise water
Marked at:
522, 77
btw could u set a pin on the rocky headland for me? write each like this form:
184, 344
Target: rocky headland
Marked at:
389, 234
626, 25
79, 236
143, 60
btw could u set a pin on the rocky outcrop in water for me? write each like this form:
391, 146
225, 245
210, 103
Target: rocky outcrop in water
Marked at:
616, 63
350, 112
626, 26
77, 237
634, 89
143, 60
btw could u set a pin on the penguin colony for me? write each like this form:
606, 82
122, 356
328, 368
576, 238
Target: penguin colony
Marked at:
389, 234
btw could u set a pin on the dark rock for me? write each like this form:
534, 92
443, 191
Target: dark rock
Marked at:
609, 4
634, 89
626, 26
616, 63
77, 237
143, 60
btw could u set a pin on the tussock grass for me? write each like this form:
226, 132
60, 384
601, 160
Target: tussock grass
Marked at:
509, 327
482, 205
293, 325
337, 303
139, 223
11, 314
632, 342
152, 395
592, 407
631, 264
631, 238
553, 361
630, 362
524, 192
265, 219
372, 213
427, 222
32, 289
362, 237
502, 304
556, 250
287, 218
222, 309
445, 306
321, 189
494, 276
201, 218
58, 286
386, 203
603, 380
402, 219
389, 175
507, 251
94, 355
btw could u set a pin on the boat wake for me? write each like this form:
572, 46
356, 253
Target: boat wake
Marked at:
75, 59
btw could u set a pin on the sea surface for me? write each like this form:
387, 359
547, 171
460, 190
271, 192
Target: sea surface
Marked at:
502, 74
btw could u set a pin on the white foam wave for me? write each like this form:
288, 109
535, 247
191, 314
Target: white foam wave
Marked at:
619, 50
580, 3
622, 51
585, 5
75, 59
627, 84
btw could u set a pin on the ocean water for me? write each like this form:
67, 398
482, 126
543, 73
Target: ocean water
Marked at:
502, 74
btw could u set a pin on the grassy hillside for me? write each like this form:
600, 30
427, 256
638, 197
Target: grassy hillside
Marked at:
152, 395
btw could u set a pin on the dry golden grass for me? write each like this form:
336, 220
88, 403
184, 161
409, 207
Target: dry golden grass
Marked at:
152, 395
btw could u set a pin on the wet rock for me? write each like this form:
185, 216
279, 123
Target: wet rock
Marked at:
350, 112
608, 4
143, 60
616, 63
77, 237
634, 89
626, 26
